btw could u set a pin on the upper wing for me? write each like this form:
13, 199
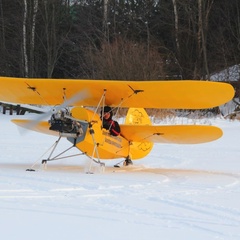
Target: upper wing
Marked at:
179, 134
185, 94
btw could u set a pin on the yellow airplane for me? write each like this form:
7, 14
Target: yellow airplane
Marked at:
72, 116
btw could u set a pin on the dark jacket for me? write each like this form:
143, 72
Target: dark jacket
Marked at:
112, 126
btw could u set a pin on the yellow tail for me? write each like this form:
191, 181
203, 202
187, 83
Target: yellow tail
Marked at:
138, 116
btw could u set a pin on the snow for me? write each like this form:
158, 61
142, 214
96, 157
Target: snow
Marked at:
177, 192
229, 74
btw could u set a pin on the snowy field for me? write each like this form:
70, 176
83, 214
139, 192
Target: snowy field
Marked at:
177, 192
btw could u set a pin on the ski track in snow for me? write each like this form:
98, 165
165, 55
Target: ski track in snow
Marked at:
150, 200
170, 199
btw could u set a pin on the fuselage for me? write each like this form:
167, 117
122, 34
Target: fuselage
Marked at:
98, 142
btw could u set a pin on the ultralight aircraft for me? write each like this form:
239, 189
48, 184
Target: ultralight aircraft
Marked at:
76, 105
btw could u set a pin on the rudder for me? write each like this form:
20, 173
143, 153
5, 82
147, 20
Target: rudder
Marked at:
138, 116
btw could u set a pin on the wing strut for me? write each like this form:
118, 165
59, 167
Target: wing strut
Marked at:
135, 91
95, 150
34, 89
102, 100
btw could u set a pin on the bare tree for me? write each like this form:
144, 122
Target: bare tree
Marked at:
32, 40
53, 41
204, 8
105, 16
176, 25
29, 28
25, 55
2, 26
126, 60
49, 38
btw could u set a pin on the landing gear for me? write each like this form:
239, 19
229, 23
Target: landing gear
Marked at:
100, 165
127, 161
97, 167
57, 157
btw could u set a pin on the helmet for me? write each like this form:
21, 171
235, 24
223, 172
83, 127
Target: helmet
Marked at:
107, 109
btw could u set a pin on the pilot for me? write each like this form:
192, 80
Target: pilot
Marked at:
108, 123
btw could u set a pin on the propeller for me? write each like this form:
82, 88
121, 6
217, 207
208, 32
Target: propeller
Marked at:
84, 94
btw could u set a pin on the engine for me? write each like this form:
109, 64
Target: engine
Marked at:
62, 122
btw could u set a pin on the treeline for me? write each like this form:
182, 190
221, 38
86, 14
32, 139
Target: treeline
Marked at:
118, 39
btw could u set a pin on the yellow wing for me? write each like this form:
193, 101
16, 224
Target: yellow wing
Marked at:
178, 134
185, 94
41, 126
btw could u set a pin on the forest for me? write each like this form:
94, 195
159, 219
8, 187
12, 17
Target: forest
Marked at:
118, 39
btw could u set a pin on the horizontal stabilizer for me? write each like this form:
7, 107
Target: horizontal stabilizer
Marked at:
178, 134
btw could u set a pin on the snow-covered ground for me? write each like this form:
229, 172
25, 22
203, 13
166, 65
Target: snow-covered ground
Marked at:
229, 74
177, 192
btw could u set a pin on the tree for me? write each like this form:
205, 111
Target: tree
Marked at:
65, 39
223, 42
126, 60
10, 34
